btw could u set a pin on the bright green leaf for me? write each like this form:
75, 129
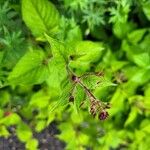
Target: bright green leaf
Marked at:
132, 116
40, 16
146, 6
30, 69
4, 132
40, 125
23, 132
32, 144
12, 119
88, 52
142, 60
40, 99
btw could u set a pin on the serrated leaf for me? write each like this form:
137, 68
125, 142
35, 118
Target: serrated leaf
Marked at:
40, 16
30, 69
57, 48
89, 52
57, 69
93, 81
63, 98
79, 96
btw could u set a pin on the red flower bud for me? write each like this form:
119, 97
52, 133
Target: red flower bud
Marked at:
7, 113
103, 115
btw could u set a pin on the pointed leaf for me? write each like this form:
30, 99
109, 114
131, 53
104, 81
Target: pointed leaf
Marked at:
40, 16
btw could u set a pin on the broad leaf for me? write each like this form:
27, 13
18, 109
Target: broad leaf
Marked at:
94, 81
4, 132
79, 97
57, 69
132, 116
142, 60
40, 16
40, 99
146, 6
88, 52
30, 69
117, 102
63, 97
12, 119
136, 35
24, 133
32, 144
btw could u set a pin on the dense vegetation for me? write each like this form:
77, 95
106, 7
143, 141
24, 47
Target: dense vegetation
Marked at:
82, 63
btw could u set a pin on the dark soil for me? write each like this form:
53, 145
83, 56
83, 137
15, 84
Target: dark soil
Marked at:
47, 140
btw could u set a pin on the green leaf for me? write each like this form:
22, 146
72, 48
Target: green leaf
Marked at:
142, 60
32, 144
118, 26
68, 133
69, 32
1, 113
93, 81
24, 133
116, 65
146, 6
145, 125
40, 99
30, 69
4, 98
141, 76
58, 63
4, 132
12, 119
40, 16
146, 128
132, 116
14, 48
136, 35
79, 96
88, 52
117, 102
58, 48
40, 125
63, 97
1, 56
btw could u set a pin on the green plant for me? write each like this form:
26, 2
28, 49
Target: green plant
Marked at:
78, 63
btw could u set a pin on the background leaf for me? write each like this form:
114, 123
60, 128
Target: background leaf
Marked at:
30, 69
40, 16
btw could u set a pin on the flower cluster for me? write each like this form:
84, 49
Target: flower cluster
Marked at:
97, 107
100, 108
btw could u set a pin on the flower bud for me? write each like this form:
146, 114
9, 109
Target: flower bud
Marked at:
103, 115
71, 99
7, 113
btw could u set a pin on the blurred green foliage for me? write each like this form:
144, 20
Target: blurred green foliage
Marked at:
40, 39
